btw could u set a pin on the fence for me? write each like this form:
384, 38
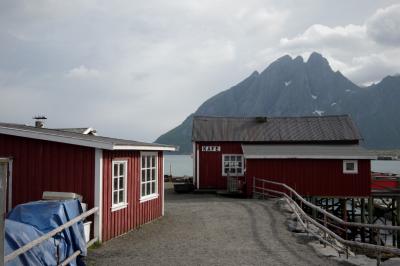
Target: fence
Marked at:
263, 187
52, 233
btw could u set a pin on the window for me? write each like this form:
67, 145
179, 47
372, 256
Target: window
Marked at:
350, 167
149, 176
119, 177
232, 165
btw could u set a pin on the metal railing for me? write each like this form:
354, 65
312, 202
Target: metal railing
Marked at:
52, 233
260, 187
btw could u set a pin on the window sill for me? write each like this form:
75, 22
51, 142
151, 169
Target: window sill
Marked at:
119, 207
149, 197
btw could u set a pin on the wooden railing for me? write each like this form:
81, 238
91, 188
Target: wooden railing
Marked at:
52, 233
262, 187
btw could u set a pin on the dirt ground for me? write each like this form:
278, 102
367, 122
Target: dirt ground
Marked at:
210, 230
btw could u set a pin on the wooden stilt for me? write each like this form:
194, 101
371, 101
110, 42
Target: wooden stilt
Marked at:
370, 217
362, 219
398, 220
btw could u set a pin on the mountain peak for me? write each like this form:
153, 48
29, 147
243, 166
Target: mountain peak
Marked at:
316, 59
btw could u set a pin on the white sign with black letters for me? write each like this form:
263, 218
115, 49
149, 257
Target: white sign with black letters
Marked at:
211, 148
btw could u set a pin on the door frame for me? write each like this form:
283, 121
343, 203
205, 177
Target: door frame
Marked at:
8, 181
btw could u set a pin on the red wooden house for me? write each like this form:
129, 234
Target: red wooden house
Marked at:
123, 178
317, 156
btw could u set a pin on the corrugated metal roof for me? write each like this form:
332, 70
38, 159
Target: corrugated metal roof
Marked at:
300, 151
70, 137
275, 129
81, 130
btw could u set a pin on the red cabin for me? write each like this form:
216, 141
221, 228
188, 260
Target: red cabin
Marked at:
123, 178
317, 156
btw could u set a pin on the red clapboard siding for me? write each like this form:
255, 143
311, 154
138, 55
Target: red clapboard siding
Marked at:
40, 165
312, 177
136, 213
210, 163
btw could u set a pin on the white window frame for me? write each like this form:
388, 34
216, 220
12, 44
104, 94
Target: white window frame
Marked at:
231, 174
355, 171
124, 203
155, 194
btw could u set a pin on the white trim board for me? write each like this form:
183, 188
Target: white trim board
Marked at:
98, 194
78, 141
309, 157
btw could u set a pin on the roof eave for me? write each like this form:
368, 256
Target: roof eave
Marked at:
144, 148
339, 157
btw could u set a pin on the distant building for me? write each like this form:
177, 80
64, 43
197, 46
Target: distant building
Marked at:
317, 156
123, 178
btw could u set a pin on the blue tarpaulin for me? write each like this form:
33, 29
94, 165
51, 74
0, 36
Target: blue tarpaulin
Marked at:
29, 221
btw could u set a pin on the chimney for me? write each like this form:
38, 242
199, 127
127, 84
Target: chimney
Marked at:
39, 121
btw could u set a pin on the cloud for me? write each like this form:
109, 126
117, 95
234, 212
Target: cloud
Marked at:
135, 69
83, 72
355, 50
384, 26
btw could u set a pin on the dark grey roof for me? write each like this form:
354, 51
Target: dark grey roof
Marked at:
81, 130
275, 129
301, 151
70, 137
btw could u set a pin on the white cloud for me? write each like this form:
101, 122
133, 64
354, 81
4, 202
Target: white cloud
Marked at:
384, 26
146, 65
82, 72
355, 50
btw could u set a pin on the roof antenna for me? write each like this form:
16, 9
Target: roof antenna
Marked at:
39, 121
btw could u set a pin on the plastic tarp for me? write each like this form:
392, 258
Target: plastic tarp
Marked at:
27, 222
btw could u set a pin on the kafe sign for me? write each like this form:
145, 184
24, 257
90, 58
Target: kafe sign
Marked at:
211, 148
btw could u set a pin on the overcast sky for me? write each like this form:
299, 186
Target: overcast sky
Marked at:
135, 69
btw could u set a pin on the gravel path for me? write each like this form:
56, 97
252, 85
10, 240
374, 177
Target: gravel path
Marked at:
210, 230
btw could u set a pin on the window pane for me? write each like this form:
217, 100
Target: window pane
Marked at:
115, 186
121, 168
148, 188
115, 197
226, 158
239, 164
350, 166
153, 187
115, 170
153, 161
226, 164
143, 161
153, 174
233, 158
232, 170
143, 175
121, 196
148, 162
121, 182
226, 170
238, 158
148, 175
143, 189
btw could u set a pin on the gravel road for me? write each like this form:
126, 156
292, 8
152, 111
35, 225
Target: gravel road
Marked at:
210, 230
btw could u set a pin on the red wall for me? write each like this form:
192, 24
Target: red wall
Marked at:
135, 214
210, 164
312, 177
40, 165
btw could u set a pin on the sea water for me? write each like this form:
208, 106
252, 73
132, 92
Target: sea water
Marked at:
181, 165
